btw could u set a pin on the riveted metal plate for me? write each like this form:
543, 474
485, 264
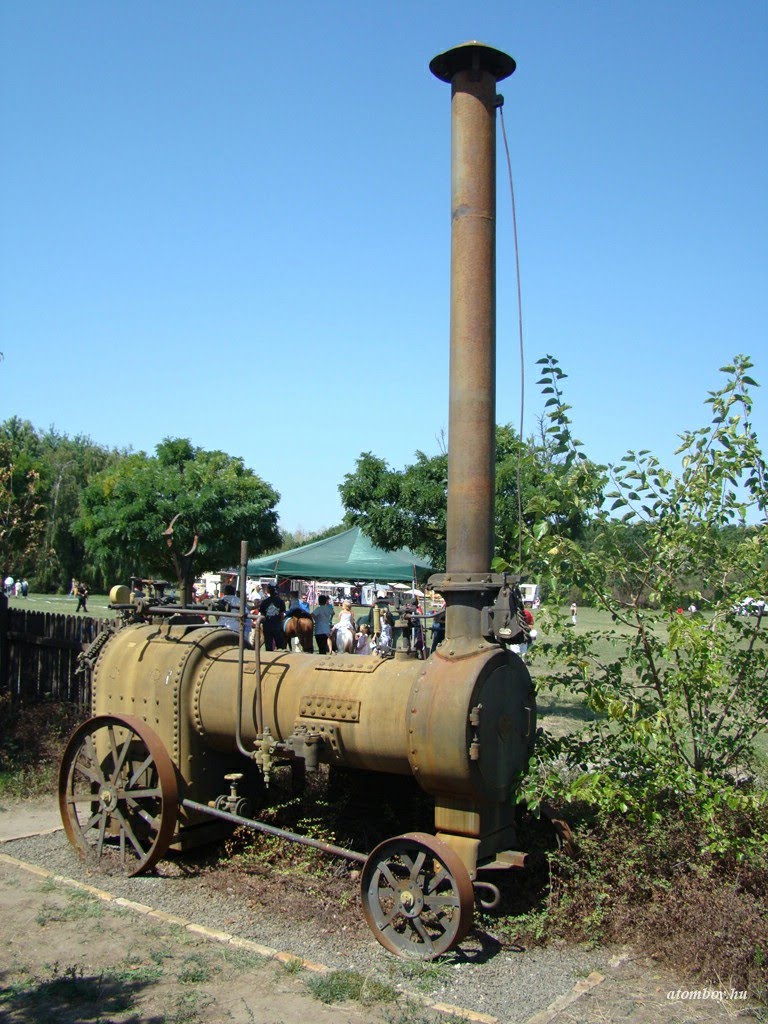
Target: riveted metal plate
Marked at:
330, 709
359, 664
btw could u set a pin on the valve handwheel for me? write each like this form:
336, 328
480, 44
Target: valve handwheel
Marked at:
118, 794
417, 896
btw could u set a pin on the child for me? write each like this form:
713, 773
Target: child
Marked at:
363, 641
345, 629
384, 641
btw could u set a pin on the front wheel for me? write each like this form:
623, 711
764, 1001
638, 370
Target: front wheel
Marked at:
417, 896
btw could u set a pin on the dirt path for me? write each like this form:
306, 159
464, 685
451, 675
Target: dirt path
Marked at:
75, 954
70, 956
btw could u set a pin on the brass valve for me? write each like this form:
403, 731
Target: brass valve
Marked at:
265, 747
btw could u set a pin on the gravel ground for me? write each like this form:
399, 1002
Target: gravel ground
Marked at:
483, 977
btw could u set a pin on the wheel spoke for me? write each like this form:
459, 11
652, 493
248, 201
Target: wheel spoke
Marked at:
92, 775
435, 881
91, 768
418, 924
150, 819
387, 872
113, 750
417, 865
140, 771
121, 760
82, 799
125, 827
447, 900
390, 917
102, 831
96, 816
138, 794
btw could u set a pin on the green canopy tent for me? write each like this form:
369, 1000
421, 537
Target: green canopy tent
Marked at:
347, 556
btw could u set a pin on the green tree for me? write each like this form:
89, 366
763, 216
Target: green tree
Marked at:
407, 508
399, 508
62, 467
128, 508
68, 466
22, 512
679, 705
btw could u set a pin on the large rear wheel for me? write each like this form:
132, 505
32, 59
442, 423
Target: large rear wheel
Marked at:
118, 794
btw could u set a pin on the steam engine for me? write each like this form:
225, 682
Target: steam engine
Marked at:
188, 724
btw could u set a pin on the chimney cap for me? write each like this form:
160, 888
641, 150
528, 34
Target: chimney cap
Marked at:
472, 56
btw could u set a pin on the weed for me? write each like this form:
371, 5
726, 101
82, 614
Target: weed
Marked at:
195, 969
408, 1012
293, 966
650, 884
79, 906
426, 974
159, 954
241, 959
136, 968
142, 974
189, 1008
340, 986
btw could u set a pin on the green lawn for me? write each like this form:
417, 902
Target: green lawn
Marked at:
97, 604
561, 713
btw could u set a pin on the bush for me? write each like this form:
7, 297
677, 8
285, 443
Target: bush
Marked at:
652, 886
32, 741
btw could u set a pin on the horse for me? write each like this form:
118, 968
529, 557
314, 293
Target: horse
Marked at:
301, 627
343, 639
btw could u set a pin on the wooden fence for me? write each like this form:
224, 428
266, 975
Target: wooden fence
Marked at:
38, 655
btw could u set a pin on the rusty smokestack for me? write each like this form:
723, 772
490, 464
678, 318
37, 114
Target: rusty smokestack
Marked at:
473, 69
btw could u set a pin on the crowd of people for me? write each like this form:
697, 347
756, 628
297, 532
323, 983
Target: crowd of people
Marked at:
333, 627
372, 632
336, 628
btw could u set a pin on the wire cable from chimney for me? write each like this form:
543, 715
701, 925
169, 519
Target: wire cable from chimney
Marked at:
500, 105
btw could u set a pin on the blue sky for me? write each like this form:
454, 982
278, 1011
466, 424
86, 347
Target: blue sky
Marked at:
230, 221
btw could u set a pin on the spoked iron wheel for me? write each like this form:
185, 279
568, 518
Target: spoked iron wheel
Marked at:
118, 795
417, 896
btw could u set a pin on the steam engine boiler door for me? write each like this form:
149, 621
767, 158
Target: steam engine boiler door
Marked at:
507, 722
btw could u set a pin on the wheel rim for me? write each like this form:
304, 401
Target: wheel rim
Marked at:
118, 794
417, 896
